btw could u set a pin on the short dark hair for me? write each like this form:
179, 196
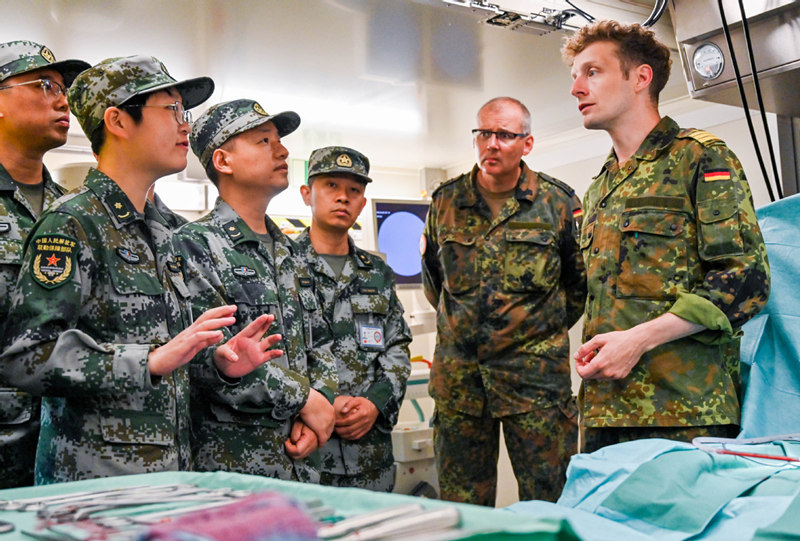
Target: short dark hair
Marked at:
132, 107
636, 45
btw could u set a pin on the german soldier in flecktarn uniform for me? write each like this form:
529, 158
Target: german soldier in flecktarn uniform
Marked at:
676, 263
502, 267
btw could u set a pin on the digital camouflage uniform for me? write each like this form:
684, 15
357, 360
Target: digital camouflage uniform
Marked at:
506, 291
100, 288
672, 230
362, 299
243, 427
19, 412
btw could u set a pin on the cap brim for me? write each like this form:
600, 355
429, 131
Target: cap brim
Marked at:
286, 122
193, 91
363, 178
69, 69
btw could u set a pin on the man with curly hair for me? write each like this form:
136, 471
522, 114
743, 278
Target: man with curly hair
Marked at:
674, 256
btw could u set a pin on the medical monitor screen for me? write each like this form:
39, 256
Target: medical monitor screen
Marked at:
398, 226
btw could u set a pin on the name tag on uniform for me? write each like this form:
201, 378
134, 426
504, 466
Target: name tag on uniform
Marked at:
372, 336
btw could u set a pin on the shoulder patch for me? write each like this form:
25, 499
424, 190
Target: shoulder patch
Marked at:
53, 262
701, 136
566, 188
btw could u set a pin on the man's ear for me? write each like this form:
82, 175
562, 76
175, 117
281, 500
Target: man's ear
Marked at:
116, 123
643, 77
305, 192
223, 161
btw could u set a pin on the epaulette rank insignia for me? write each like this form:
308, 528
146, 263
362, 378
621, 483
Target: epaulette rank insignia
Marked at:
365, 259
703, 137
122, 208
54, 259
232, 230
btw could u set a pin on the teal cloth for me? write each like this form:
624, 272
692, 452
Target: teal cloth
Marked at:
501, 524
668, 490
786, 527
770, 350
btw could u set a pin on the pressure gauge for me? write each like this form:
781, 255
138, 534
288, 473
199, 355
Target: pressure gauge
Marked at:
708, 61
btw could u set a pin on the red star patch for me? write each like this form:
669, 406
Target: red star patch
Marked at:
53, 260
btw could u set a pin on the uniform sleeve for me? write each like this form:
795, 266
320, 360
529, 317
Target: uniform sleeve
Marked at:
322, 370
431, 269
45, 351
394, 365
573, 269
270, 389
736, 282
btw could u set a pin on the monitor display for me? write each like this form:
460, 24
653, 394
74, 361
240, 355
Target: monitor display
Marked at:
398, 227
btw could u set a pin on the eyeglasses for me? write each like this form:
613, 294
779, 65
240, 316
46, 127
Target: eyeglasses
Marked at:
181, 115
50, 88
502, 136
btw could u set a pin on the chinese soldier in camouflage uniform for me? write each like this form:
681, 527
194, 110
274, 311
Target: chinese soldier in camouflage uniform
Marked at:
277, 416
356, 292
34, 118
675, 256
501, 265
99, 322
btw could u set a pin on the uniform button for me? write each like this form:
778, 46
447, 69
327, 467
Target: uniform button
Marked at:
596, 250
603, 204
591, 297
716, 213
673, 227
626, 224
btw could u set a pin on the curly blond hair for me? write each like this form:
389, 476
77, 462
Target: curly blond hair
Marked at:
636, 45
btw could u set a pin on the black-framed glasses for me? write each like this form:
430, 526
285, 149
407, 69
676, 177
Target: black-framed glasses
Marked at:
181, 115
50, 88
502, 136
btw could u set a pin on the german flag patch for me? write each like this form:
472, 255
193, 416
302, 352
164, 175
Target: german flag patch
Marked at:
577, 213
719, 174
53, 260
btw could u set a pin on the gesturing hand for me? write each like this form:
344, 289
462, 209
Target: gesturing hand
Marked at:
190, 341
247, 351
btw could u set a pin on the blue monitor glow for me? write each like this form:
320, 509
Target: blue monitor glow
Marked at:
398, 227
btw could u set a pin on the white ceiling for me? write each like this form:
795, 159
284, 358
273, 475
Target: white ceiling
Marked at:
398, 79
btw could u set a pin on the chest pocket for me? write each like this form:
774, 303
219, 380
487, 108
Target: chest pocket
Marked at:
252, 299
459, 261
369, 316
719, 229
531, 261
652, 256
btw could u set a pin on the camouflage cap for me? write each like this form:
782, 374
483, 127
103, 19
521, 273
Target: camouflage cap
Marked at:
224, 120
114, 81
18, 57
335, 160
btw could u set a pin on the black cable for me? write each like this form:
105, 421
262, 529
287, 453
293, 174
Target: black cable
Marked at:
655, 15
580, 12
757, 85
744, 99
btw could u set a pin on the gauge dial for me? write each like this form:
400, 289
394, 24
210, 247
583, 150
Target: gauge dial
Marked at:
708, 61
